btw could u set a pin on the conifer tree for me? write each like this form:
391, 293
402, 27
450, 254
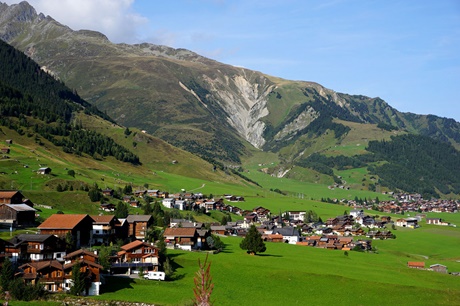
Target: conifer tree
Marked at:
253, 242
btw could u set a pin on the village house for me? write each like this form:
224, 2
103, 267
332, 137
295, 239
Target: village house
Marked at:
138, 225
185, 223
184, 238
107, 192
134, 203
168, 202
121, 229
17, 215
11, 197
416, 264
439, 268
109, 207
80, 226
136, 256
89, 267
49, 273
297, 215
219, 230
140, 193
290, 235
409, 222
436, 221
36, 247
82, 255
44, 170
104, 229
355, 213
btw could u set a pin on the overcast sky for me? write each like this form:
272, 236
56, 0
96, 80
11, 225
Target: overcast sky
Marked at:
405, 52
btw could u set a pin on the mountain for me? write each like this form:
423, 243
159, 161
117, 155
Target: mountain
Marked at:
52, 125
220, 112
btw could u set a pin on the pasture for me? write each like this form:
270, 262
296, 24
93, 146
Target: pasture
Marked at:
298, 275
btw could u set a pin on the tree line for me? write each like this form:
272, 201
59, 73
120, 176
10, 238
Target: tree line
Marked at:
33, 102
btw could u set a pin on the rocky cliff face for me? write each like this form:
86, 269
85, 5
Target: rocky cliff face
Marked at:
245, 103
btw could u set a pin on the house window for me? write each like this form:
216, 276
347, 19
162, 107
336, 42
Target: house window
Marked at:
58, 255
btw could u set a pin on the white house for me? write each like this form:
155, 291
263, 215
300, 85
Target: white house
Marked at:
297, 215
168, 202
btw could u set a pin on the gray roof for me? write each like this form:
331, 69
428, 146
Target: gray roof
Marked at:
286, 231
138, 218
30, 237
21, 207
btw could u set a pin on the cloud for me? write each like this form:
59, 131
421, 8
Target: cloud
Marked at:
114, 18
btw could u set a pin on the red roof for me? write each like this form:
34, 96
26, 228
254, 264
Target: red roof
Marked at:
103, 218
132, 245
180, 232
62, 221
416, 264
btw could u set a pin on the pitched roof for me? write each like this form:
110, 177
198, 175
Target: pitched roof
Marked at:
20, 207
38, 265
80, 252
82, 262
286, 231
138, 218
8, 194
30, 237
62, 221
106, 219
132, 245
180, 232
416, 264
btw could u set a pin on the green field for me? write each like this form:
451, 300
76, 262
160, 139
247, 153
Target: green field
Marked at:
298, 275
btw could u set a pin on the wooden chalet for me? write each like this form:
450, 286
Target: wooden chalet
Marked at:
80, 226
37, 247
17, 215
107, 192
49, 273
138, 225
91, 272
81, 255
11, 197
103, 231
181, 238
136, 256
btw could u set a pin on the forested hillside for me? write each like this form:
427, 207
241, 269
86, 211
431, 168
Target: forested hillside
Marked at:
417, 164
32, 102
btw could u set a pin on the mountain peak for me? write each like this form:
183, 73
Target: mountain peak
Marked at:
21, 12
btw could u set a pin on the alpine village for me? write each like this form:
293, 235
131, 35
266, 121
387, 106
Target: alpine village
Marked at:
147, 175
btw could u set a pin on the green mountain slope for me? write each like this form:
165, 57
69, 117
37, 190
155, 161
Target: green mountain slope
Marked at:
52, 126
220, 112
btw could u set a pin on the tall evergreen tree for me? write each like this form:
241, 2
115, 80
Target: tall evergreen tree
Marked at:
78, 280
7, 274
253, 242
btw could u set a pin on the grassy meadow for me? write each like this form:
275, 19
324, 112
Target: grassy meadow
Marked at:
296, 275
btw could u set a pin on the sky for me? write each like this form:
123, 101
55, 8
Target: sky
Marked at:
406, 52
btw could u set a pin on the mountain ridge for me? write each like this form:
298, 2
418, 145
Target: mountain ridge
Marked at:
220, 112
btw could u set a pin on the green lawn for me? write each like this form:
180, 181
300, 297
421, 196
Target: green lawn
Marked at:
295, 275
